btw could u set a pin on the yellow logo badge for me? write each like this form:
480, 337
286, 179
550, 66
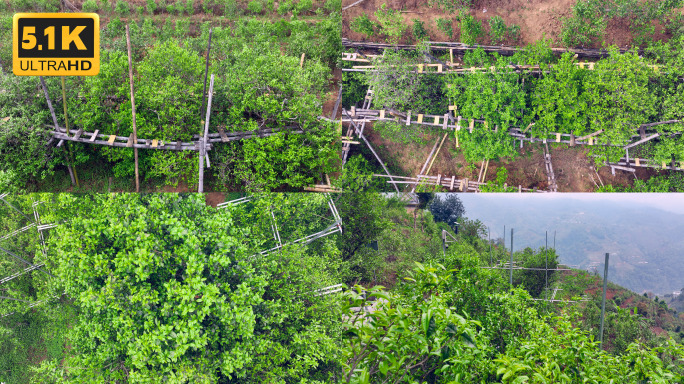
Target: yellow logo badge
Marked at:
56, 44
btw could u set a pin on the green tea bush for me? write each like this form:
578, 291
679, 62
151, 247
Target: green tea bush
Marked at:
35, 6
304, 6
190, 7
419, 32
362, 24
391, 23
151, 6
497, 29
285, 7
230, 8
470, 28
182, 28
333, 5
90, 6
123, 8
449, 5
499, 32
585, 25
255, 7
444, 25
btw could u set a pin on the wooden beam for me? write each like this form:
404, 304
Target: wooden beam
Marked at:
641, 141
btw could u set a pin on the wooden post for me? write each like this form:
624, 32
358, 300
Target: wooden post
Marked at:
206, 71
66, 118
54, 120
66, 122
203, 139
511, 265
603, 303
301, 62
135, 130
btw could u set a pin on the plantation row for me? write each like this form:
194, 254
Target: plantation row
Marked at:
622, 92
262, 82
226, 8
585, 26
162, 287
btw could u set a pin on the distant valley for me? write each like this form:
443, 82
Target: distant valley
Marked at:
646, 245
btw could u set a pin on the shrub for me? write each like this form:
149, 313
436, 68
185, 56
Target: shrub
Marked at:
449, 5
182, 28
419, 32
148, 28
285, 7
230, 8
304, 5
255, 7
497, 29
444, 25
189, 7
362, 24
514, 32
122, 8
586, 24
333, 5
391, 23
90, 6
151, 6
470, 28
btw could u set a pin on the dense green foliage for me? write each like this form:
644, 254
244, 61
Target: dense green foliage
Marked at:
444, 25
609, 100
163, 287
448, 210
391, 23
471, 29
660, 183
499, 32
419, 32
259, 85
225, 8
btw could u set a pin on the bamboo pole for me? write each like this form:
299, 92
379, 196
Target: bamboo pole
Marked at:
135, 130
206, 72
511, 265
70, 156
603, 303
54, 120
435, 156
203, 142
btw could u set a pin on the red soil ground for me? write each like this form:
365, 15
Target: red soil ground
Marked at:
573, 168
537, 19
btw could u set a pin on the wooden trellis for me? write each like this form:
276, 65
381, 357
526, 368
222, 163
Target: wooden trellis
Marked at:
450, 122
36, 223
451, 183
460, 48
335, 227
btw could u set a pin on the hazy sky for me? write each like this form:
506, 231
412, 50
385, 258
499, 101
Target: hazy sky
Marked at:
672, 202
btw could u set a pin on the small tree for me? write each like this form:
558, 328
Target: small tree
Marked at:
391, 23
448, 210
